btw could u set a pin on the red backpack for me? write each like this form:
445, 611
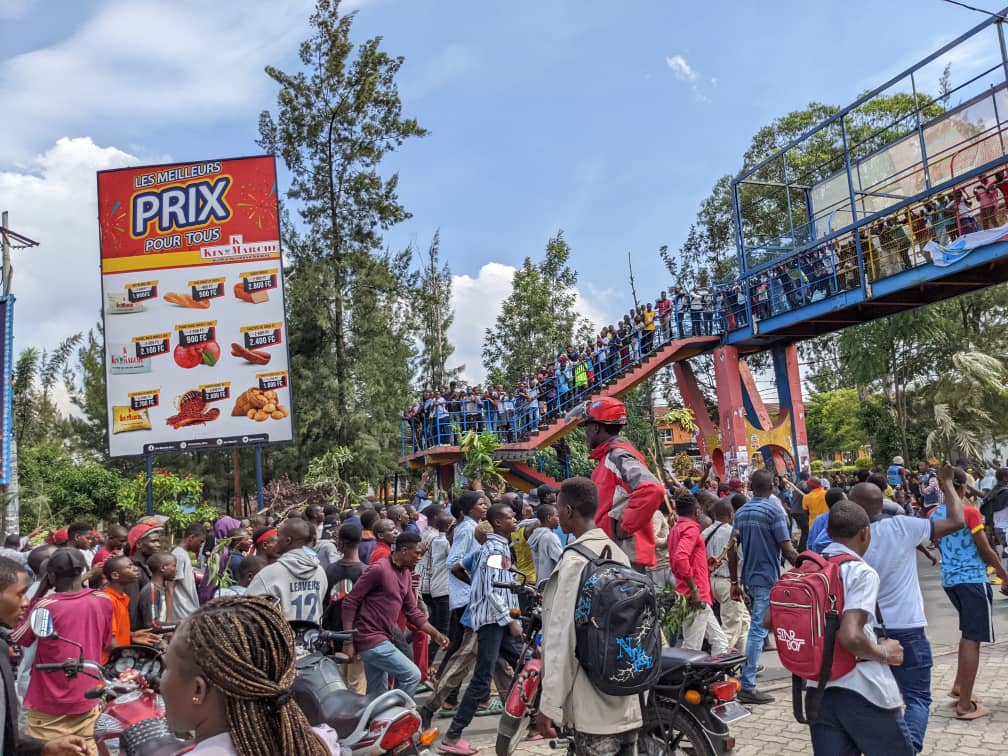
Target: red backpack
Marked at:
806, 605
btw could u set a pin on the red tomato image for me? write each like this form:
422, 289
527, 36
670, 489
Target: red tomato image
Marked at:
206, 353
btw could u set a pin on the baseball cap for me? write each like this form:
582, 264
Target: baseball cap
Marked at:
143, 528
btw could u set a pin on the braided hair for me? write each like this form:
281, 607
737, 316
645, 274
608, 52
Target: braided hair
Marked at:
244, 647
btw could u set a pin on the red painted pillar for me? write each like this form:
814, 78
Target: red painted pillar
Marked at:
728, 382
694, 400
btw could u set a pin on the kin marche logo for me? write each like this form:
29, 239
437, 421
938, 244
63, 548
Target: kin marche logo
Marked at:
787, 637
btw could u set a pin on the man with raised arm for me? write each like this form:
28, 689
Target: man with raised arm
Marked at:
891, 553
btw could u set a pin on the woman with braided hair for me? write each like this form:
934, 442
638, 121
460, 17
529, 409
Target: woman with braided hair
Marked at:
227, 677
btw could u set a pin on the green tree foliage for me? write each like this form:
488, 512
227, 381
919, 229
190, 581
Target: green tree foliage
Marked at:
87, 394
833, 422
351, 337
537, 319
35, 377
178, 497
478, 461
56, 489
435, 313
328, 473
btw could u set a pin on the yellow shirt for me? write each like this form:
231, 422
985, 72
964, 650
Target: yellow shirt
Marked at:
815, 503
649, 320
523, 556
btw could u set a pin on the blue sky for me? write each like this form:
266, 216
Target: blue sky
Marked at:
610, 121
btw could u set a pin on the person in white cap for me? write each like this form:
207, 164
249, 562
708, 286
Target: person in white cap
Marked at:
896, 474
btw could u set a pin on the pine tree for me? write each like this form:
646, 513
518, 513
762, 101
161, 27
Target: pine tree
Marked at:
436, 315
351, 340
537, 320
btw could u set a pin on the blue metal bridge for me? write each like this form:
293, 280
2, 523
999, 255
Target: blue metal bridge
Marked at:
896, 201
862, 217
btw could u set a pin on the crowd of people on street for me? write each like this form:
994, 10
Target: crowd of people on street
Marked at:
420, 584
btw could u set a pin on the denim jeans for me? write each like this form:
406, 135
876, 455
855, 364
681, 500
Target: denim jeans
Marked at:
492, 641
760, 596
384, 660
913, 677
849, 725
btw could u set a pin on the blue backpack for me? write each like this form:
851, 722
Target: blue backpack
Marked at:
895, 475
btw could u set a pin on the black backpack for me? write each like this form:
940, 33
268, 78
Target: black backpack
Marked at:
617, 636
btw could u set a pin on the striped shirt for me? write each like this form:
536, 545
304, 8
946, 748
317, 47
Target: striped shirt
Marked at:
489, 605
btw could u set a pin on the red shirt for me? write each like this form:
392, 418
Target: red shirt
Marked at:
102, 554
375, 601
688, 558
381, 550
84, 616
663, 306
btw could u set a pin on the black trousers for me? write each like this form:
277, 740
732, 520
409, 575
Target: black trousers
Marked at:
455, 633
440, 617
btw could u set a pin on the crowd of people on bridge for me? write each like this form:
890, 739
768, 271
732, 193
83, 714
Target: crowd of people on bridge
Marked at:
889, 245
551, 389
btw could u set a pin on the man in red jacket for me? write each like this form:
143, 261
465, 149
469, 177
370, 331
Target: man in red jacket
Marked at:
629, 494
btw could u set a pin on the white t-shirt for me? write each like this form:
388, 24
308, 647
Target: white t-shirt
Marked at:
1001, 519
891, 555
870, 679
186, 597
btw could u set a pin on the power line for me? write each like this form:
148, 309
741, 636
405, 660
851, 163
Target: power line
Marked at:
998, 16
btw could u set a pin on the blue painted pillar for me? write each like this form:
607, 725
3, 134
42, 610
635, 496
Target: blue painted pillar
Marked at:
789, 393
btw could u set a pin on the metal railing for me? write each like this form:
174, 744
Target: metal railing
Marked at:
516, 418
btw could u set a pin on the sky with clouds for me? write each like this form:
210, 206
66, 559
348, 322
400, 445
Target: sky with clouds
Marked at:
608, 121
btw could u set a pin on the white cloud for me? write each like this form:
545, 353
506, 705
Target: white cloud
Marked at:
477, 302
143, 60
57, 284
682, 69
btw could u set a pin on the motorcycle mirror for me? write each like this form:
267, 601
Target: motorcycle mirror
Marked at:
42, 623
495, 561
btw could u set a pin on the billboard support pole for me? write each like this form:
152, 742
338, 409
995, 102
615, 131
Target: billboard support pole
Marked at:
259, 476
150, 484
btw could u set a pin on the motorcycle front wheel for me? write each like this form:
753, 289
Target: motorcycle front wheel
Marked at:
510, 734
679, 729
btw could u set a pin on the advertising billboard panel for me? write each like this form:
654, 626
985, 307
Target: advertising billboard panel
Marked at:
193, 307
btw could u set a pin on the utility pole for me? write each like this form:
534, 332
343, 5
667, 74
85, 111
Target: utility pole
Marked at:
12, 511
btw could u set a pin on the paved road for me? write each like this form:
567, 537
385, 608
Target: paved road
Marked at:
772, 729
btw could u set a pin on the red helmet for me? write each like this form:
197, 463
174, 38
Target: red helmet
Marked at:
605, 409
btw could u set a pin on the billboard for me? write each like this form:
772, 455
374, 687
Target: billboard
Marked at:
193, 307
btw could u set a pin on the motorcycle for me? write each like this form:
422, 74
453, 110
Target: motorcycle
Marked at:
688, 712
690, 709
522, 696
132, 719
387, 723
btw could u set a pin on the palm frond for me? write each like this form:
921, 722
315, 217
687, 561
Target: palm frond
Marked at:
982, 368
